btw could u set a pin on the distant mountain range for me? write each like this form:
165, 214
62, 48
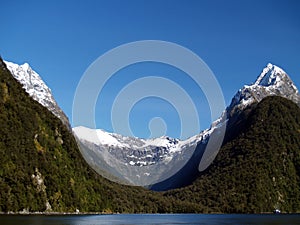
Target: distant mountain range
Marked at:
256, 170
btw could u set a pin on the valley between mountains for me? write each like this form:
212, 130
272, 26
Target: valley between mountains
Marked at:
47, 167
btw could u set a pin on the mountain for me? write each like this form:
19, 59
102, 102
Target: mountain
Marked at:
259, 169
36, 88
42, 170
166, 163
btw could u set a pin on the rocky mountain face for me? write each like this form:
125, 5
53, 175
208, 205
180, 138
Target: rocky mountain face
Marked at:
165, 163
36, 88
132, 160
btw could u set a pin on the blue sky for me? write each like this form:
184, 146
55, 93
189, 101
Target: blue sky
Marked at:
236, 39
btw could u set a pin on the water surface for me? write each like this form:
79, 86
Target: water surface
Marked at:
152, 219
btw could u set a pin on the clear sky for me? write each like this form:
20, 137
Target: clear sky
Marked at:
236, 39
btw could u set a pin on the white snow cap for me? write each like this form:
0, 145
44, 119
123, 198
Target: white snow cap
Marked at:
101, 137
36, 88
32, 83
96, 136
269, 75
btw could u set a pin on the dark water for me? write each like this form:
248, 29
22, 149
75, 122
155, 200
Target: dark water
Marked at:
134, 219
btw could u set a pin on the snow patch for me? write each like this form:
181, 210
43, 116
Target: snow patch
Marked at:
97, 136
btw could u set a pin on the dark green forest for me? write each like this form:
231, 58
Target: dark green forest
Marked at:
41, 168
257, 171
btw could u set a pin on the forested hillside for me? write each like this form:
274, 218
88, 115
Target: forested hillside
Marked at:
257, 171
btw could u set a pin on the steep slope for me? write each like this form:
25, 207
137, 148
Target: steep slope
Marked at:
36, 88
259, 170
41, 168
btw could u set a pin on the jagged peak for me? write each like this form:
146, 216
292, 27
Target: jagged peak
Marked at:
272, 81
24, 70
32, 82
25, 66
36, 88
270, 75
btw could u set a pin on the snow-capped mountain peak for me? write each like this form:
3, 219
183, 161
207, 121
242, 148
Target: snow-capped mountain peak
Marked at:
32, 83
271, 75
36, 88
272, 81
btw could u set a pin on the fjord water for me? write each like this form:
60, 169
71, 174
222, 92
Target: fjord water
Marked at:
135, 219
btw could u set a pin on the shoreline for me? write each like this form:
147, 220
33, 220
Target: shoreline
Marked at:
55, 213
103, 213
